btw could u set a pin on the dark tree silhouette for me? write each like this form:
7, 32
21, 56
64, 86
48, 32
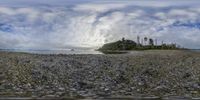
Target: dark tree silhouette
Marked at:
123, 39
151, 42
138, 39
125, 44
145, 40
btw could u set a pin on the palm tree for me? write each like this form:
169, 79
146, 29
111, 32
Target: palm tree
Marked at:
123, 39
151, 42
145, 39
156, 42
138, 40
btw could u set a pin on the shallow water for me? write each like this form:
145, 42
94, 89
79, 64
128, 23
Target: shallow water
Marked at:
67, 51
196, 50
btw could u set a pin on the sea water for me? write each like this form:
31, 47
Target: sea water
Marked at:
63, 51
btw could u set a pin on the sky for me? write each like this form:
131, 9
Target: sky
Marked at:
63, 24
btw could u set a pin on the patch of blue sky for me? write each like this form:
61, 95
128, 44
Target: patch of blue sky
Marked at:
186, 24
6, 28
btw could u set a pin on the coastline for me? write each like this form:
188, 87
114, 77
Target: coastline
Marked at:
153, 72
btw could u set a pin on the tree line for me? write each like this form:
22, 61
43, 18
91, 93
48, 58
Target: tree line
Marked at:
145, 43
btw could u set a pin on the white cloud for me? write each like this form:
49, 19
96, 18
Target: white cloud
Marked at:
7, 11
92, 7
93, 24
153, 3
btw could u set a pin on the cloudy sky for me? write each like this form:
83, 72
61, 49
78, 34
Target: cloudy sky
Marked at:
60, 24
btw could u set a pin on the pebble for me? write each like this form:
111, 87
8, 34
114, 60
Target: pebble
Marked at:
102, 75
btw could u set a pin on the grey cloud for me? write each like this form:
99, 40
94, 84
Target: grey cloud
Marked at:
93, 24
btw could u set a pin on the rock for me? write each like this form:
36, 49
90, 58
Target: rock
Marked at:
61, 89
60, 94
177, 98
49, 96
106, 89
148, 72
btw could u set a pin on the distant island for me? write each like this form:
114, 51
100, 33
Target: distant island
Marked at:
147, 44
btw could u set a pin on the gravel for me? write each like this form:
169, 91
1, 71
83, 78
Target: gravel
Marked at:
147, 74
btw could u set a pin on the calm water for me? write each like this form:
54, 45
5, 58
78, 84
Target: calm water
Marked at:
196, 50
68, 51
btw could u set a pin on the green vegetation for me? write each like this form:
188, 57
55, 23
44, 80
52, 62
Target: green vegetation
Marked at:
132, 45
120, 45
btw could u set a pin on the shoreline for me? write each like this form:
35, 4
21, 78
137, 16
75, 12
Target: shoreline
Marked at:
97, 52
158, 73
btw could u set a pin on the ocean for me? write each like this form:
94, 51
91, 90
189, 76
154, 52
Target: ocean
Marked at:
67, 51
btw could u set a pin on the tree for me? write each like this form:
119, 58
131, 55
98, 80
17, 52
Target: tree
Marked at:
156, 42
123, 39
145, 40
119, 45
138, 40
151, 42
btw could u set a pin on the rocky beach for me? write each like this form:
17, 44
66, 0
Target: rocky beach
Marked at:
151, 74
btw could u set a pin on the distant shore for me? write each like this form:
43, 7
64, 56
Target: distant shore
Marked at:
154, 73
